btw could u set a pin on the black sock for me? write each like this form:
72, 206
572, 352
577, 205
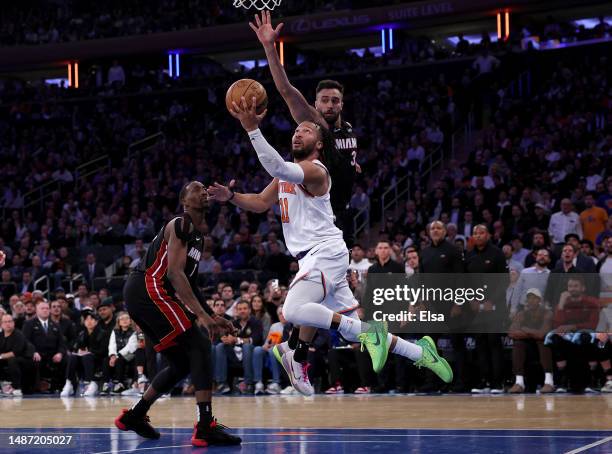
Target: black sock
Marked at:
141, 408
204, 413
301, 351
294, 338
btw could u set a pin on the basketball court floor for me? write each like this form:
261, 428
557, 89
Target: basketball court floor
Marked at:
352, 424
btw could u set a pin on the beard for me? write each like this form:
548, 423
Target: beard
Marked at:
331, 118
302, 153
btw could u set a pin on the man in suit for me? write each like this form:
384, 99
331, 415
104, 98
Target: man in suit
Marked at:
92, 270
49, 346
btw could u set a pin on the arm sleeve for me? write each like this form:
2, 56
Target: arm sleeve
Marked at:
131, 346
112, 345
274, 164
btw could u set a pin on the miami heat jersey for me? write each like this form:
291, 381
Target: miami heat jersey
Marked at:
155, 263
307, 220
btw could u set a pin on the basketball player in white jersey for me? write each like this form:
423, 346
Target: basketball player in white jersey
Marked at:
319, 295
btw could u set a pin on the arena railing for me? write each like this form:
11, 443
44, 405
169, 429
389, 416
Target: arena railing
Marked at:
43, 279
91, 167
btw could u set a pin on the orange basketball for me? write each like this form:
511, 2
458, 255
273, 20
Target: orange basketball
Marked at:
247, 88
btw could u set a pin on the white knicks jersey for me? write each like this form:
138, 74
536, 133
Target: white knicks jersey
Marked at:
307, 220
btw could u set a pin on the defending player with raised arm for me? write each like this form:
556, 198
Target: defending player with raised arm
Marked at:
163, 298
319, 296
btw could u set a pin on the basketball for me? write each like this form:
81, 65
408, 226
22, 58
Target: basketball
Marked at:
247, 88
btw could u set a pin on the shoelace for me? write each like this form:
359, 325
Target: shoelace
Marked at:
305, 367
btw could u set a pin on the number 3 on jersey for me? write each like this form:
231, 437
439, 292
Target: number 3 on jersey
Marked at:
284, 208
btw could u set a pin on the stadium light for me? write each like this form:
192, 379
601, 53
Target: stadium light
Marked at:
499, 30
282, 53
178, 64
70, 74
384, 47
507, 25
76, 74
390, 39
170, 66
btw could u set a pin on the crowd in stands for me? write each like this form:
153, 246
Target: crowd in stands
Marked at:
42, 22
538, 179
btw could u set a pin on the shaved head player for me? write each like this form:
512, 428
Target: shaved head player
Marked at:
163, 297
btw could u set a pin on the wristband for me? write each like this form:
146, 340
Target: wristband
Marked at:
233, 194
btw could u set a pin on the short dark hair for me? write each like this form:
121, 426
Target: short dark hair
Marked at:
328, 83
383, 241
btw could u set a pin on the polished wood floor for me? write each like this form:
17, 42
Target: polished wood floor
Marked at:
350, 411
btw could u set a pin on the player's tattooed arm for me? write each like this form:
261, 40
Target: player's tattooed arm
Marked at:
299, 107
259, 203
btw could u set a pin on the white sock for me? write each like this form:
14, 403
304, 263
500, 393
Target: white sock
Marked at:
405, 348
349, 327
548, 379
520, 380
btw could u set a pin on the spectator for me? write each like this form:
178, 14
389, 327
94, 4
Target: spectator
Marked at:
604, 267
563, 223
92, 271
535, 276
238, 349
27, 283
510, 262
49, 348
593, 219
259, 312
576, 311
116, 75
264, 355
384, 264
603, 346
528, 330
15, 356
358, 261
66, 325
89, 353
122, 346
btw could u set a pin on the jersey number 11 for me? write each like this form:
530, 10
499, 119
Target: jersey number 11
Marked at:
284, 208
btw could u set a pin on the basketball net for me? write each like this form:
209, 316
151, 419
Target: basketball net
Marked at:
257, 4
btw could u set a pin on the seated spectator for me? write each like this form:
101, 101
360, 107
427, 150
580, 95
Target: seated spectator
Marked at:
264, 356
15, 356
88, 357
235, 350
259, 311
49, 348
535, 276
575, 312
603, 346
67, 327
122, 346
19, 315
528, 330
343, 356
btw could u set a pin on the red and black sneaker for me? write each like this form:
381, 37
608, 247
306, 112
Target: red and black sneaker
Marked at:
213, 434
141, 425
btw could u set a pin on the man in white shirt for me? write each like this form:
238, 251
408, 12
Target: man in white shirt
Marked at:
358, 261
485, 63
533, 277
564, 222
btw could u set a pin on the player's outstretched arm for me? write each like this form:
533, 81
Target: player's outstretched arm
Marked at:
299, 107
273, 162
177, 256
259, 203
